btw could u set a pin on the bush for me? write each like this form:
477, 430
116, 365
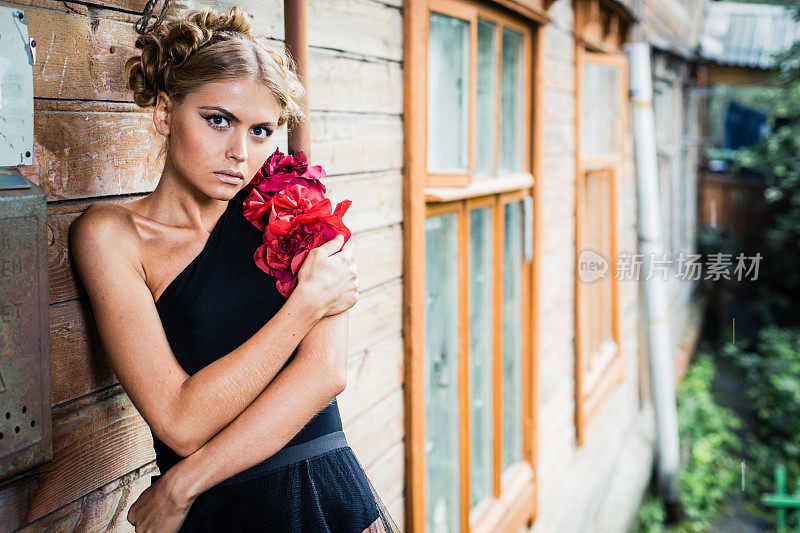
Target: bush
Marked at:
772, 377
711, 451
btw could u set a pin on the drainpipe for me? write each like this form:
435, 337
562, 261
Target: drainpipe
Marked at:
655, 289
296, 41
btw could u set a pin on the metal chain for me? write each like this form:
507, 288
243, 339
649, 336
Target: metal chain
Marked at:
141, 25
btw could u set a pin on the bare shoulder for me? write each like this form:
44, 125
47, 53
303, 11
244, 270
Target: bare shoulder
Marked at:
106, 233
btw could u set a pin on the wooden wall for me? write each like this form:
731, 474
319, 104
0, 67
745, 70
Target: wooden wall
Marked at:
92, 143
574, 481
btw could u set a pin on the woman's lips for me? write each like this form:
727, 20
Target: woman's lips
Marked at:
227, 178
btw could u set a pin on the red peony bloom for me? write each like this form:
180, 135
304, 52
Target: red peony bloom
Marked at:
298, 221
282, 171
256, 208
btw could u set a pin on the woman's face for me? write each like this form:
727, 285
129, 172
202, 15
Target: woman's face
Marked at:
219, 129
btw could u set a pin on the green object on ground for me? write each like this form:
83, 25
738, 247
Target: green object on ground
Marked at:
781, 500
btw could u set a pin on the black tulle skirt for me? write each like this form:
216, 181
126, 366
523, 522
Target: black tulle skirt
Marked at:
317, 486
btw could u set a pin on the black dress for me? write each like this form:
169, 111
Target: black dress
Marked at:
313, 484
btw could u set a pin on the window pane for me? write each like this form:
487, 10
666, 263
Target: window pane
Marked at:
605, 296
441, 373
596, 316
486, 100
592, 226
600, 110
448, 90
511, 119
512, 333
480, 352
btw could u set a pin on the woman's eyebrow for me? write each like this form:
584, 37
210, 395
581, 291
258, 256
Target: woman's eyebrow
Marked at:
232, 116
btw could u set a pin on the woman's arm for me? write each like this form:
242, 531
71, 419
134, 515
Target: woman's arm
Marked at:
178, 408
232, 382
299, 391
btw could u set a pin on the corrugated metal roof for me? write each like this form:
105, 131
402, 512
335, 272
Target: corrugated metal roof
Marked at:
746, 35
671, 25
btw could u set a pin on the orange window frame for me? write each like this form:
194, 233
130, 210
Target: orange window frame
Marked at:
592, 389
470, 12
512, 494
427, 194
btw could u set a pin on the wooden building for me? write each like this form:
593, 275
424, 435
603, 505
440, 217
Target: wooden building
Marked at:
485, 145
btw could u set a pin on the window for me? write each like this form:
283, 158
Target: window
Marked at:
600, 104
477, 105
469, 267
476, 353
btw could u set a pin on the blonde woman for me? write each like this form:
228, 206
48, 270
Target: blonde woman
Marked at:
237, 383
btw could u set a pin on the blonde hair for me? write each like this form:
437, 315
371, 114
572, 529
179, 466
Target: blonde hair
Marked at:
203, 45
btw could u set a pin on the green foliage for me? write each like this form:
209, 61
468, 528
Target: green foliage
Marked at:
772, 378
712, 451
788, 66
706, 431
652, 515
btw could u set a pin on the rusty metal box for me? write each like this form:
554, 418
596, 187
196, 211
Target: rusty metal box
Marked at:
25, 421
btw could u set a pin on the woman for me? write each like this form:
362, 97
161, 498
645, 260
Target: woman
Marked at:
237, 383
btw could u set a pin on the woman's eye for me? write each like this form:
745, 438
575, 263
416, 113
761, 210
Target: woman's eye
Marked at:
262, 133
213, 118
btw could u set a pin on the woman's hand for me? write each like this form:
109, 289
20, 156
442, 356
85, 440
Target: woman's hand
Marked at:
162, 507
329, 277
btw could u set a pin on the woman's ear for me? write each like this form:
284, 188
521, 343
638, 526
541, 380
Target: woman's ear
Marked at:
162, 114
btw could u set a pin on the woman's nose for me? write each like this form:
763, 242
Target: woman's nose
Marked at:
237, 149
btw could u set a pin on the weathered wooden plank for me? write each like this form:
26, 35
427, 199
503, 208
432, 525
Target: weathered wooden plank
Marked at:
344, 143
376, 199
104, 509
95, 441
78, 365
386, 474
377, 430
338, 83
79, 54
376, 315
91, 9
383, 359
360, 26
61, 270
79, 155
398, 511
378, 255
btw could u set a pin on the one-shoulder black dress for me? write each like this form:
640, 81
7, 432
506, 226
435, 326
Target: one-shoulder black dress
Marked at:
313, 484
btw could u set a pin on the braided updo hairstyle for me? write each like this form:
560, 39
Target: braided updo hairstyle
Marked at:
203, 45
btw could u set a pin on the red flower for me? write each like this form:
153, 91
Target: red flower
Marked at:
282, 171
256, 208
298, 221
